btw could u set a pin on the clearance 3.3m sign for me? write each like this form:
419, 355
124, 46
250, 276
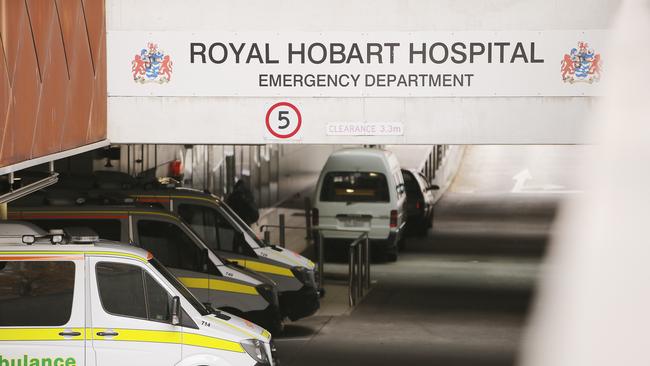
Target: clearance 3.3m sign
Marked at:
351, 64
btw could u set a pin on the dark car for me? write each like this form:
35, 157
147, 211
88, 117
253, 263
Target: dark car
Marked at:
419, 201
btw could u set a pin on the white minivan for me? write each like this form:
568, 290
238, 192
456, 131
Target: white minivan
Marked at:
361, 189
75, 300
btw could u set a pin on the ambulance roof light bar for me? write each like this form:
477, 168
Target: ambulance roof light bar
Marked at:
81, 235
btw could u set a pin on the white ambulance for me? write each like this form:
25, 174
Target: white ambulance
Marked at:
71, 300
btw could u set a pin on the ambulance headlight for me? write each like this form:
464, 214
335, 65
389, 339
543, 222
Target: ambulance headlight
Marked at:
304, 275
255, 348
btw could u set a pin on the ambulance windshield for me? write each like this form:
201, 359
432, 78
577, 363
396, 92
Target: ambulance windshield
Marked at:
179, 287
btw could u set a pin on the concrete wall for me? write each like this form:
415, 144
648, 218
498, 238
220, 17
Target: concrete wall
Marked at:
300, 166
450, 120
359, 15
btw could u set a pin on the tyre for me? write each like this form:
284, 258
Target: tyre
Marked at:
390, 256
423, 227
402, 245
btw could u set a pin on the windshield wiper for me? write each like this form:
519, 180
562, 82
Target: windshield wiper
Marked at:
218, 313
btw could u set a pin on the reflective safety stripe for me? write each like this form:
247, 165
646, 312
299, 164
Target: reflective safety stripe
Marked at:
266, 334
62, 253
29, 258
211, 200
263, 267
94, 214
40, 334
191, 339
168, 197
218, 285
159, 336
138, 335
124, 335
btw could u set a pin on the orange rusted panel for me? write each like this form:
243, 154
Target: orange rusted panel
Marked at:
15, 15
98, 126
6, 157
51, 111
82, 77
69, 13
42, 14
26, 91
5, 107
94, 10
53, 82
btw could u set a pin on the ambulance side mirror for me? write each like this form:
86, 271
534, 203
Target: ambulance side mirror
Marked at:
176, 310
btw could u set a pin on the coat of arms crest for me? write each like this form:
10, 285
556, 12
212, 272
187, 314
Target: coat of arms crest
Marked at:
151, 65
581, 64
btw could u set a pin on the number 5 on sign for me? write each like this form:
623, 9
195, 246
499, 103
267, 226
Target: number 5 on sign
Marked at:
283, 121
282, 116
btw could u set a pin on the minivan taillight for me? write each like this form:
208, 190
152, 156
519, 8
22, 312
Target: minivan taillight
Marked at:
393, 219
314, 217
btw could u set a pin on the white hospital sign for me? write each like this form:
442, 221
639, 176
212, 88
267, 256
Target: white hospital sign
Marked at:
354, 64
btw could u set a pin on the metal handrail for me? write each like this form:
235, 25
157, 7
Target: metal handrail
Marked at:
358, 260
358, 268
358, 263
282, 227
262, 227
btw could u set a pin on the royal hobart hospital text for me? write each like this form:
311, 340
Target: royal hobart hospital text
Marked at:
388, 53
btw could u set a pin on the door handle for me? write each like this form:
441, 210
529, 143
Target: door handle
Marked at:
70, 334
107, 334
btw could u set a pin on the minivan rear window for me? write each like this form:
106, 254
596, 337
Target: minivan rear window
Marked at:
354, 187
36, 293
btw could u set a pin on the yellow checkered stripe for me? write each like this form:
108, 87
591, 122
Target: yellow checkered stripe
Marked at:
154, 336
40, 334
263, 267
217, 285
124, 335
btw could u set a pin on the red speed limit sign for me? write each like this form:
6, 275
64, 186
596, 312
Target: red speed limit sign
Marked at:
283, 120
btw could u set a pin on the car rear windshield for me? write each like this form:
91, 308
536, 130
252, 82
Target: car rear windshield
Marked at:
354, 187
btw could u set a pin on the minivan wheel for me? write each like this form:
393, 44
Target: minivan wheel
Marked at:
391, 253
391, 256
402, 245
423, 228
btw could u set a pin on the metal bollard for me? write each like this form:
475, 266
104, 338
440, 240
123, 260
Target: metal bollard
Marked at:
367, 254
359, 269
282, 230
351, 289
308, 222
321, 260
267, 237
